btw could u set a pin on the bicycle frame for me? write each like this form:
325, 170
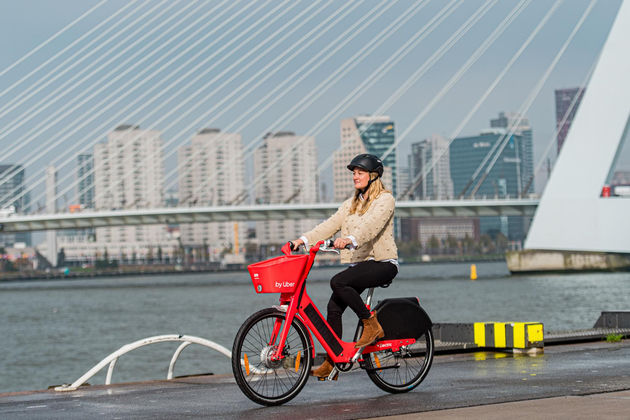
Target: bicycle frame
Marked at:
301, 305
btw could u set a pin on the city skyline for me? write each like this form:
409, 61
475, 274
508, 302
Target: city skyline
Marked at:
83, 187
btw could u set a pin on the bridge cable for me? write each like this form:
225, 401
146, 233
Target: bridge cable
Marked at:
422, 175
180, 55
349, 60
553, 138
10, 88
418, 118
56, 73
30, 136
265, 76
128, 92
438, 54
226, 71
430, 62
22, 119
251, 37
341, 70
530, 100
51, 38
203, 116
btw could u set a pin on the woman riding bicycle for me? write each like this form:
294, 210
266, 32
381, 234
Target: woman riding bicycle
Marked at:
366, 242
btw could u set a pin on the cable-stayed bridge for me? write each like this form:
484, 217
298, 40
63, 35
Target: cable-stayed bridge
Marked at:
179, 66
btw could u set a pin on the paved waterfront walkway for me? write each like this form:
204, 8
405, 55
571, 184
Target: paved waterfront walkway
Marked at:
582, 381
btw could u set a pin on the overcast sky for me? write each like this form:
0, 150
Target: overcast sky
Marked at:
138, 78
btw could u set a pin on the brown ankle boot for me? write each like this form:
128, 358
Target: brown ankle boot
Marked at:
372, 331
324, 370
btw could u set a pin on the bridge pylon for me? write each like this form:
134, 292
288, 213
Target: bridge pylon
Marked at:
574, 219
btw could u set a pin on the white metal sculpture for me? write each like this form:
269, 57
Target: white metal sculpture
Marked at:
572, 215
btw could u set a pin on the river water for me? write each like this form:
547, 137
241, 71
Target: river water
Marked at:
54, 331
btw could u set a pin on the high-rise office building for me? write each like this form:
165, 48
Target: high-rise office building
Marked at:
404, 176
13, 197
512, 121
285, 172
85, 197
431, 180
567, 102
364, 134
12, 189
496, 158
430, 169
85, 177
211, 173
51, 207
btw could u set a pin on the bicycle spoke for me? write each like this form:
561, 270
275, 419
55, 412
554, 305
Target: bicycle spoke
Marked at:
402, 370
271, 381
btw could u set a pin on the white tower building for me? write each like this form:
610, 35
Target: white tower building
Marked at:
211, 173
285, 171
129, 169
129, 173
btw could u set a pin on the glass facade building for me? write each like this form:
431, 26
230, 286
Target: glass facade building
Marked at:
13, 194
378, 136
520, 125
374, 134
475, 175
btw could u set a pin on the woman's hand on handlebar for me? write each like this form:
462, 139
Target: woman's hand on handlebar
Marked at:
295, 244
341, 243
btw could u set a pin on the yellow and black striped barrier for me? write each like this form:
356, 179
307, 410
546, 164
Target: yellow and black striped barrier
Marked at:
492, 335
512, 335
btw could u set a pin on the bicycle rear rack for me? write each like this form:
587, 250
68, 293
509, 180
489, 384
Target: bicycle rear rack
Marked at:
113, 358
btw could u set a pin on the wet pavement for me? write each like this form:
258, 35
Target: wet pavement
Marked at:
556, 379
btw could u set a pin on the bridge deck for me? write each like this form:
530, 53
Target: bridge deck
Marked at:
92, 219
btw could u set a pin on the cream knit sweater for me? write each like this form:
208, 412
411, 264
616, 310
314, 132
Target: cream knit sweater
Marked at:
373, 231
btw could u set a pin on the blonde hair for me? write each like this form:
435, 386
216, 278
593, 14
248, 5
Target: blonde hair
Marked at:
374, 190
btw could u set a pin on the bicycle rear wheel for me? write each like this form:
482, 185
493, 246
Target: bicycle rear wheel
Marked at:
401, 371
263, 380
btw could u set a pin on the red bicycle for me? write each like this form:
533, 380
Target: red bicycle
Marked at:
274, 350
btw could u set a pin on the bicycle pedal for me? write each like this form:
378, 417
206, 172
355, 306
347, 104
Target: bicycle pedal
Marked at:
328, 378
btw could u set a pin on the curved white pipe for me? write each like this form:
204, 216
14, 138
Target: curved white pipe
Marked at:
111, 359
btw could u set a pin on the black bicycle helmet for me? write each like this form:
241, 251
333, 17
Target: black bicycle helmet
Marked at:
368, 163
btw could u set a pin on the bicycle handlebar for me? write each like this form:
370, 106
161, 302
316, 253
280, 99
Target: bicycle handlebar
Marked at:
327, 245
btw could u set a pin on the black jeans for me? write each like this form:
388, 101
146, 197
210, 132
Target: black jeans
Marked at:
348, 285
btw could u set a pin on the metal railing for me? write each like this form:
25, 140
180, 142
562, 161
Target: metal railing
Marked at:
186, 340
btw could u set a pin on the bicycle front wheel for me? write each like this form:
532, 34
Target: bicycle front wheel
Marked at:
263, 380
403, 370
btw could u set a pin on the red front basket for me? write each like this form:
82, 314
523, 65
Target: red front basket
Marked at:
277, 275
